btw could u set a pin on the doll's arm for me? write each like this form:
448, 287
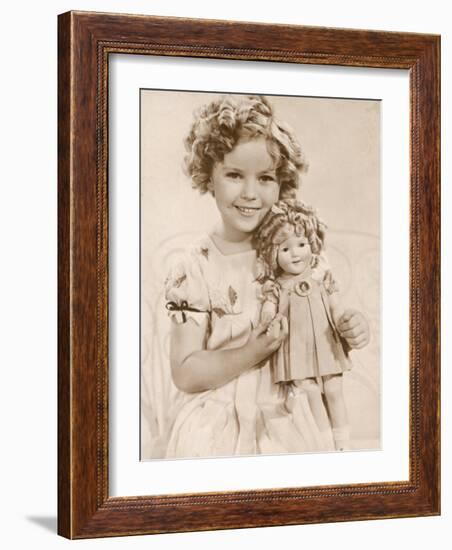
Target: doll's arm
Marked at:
269, 296
350, 323
268, 312
354, 328
336, 308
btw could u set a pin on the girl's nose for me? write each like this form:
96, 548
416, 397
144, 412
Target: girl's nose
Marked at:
249, 189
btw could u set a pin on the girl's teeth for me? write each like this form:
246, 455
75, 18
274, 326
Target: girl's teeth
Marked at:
247, 210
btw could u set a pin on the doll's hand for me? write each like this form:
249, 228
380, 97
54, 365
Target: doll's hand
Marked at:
354, 328
265, 340
266, 319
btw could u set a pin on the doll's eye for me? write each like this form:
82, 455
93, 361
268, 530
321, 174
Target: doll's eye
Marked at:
301, 245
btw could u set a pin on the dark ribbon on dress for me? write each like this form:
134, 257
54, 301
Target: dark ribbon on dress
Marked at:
183, 307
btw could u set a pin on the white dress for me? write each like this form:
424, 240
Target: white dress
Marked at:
251, 414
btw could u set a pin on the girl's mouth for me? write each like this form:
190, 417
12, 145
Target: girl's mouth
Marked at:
247, 211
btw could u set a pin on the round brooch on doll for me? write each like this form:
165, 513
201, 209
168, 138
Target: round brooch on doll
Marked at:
303, 288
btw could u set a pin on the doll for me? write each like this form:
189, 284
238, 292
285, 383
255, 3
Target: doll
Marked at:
298, 284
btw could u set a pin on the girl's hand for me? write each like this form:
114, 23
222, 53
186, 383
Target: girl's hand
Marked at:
354, 328
265, 339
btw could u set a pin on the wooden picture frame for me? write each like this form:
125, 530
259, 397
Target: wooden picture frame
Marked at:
85, 42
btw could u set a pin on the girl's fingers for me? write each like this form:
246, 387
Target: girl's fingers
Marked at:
275, 331
284, 326
261, 328
283, 331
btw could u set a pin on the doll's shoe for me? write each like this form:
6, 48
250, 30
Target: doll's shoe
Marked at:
342, 438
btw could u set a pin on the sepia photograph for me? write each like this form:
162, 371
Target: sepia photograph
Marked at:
259, 274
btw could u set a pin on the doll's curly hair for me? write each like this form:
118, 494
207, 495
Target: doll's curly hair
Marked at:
274, 230
219, 125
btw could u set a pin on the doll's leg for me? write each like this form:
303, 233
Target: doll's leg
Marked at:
312, 389
332, 385
313, 416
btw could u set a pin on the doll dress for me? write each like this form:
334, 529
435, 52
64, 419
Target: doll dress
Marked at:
248, 415
313, 348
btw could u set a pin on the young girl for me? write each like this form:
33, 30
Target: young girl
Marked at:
289, 244
246, 159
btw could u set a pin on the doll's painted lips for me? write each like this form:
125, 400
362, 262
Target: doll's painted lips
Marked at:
247, 211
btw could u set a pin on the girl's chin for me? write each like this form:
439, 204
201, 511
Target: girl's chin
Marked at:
240, 226
247, 225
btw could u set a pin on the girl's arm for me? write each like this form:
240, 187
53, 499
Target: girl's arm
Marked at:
195, 369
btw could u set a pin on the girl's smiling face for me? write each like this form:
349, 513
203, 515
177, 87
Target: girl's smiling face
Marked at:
245, 187
294, 255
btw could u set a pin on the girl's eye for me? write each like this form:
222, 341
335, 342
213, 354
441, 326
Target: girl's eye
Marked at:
285, 250
266, 178
233, 175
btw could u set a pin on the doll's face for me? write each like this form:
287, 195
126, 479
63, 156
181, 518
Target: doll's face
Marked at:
294, 255
245, 187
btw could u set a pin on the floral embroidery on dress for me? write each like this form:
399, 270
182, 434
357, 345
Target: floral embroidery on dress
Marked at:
232, 296
176, 277
219, 311
224, 301
179, 280
205, 252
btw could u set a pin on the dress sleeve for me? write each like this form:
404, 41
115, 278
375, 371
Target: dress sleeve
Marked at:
186, 291
323, 274
330, 283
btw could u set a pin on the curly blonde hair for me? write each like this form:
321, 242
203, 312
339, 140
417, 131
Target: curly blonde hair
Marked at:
275, 229
219, 125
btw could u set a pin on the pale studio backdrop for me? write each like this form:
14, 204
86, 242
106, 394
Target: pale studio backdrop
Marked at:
340, 139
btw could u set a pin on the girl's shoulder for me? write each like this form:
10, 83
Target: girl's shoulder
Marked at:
189, 262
